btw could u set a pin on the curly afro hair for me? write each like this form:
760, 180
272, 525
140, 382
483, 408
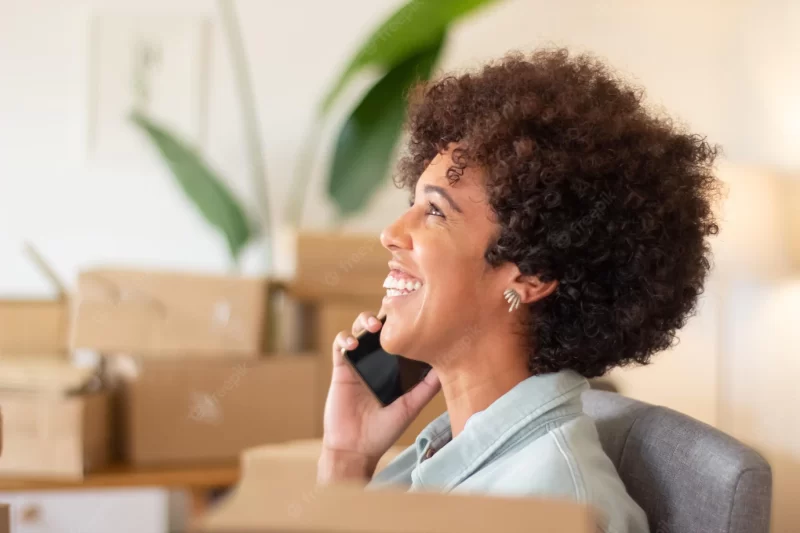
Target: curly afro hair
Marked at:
589, 188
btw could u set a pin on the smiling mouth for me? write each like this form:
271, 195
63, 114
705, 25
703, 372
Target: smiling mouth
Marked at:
399, 283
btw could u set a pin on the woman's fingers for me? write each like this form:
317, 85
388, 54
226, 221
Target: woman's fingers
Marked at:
343, 341
366, 322
347, 340
409, 405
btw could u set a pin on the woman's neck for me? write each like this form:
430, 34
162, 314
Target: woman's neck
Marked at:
474, 376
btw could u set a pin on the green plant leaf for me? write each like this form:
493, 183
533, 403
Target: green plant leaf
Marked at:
411, 30
201, 184
368, 137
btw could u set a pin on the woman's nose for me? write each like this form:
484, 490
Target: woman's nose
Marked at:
395, 236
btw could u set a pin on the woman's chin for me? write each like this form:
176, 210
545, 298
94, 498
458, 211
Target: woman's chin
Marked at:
395, 336
400, 338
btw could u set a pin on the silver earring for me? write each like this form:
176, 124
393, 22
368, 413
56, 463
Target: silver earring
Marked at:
513, 298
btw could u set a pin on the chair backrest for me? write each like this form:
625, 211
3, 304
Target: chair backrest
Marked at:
686, 475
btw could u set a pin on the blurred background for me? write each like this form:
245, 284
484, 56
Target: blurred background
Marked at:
190, 198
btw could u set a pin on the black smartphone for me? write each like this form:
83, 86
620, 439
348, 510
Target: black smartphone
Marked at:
387, 375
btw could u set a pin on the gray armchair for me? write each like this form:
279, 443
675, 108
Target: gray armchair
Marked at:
687, 476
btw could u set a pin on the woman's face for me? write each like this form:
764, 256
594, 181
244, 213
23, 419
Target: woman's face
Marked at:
440, 289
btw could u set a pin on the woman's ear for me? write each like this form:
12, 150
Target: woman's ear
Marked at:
531, 289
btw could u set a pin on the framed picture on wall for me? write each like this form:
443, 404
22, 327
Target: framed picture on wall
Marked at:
152, 63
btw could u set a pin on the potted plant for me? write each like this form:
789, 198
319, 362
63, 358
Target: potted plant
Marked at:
405, 47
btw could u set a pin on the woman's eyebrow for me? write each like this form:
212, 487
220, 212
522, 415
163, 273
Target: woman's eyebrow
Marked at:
444, 194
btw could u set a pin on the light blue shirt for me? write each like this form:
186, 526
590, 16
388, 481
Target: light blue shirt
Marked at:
535, 440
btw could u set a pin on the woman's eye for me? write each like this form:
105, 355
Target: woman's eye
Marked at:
434, 210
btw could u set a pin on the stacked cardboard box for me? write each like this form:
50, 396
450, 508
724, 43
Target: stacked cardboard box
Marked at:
33, 327
55, 417
188, 359
164, 314
187, 355
55, 436
54, 424
211, 409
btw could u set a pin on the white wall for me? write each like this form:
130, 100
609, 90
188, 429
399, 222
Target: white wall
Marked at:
718, 65
79, 212
684, 378
761, 384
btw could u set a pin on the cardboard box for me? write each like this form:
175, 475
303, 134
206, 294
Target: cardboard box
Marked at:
279, 495
33, 326
53, 374
54, 436
170, 313
338, 265
305, 449
176, 410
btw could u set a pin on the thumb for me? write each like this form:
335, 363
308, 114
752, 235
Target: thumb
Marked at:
409, 405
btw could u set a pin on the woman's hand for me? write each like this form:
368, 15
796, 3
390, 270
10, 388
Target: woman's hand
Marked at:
358, 430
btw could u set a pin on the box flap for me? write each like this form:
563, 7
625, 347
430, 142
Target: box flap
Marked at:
308, 449
280, 496
33, 326
50, 374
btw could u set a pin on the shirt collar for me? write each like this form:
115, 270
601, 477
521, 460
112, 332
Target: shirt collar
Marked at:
528, 406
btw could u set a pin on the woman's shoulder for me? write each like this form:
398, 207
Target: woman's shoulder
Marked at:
552, 462
567, 462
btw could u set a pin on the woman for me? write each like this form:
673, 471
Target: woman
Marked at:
557, 229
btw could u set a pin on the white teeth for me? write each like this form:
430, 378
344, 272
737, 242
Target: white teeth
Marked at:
399, 287
391, 283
